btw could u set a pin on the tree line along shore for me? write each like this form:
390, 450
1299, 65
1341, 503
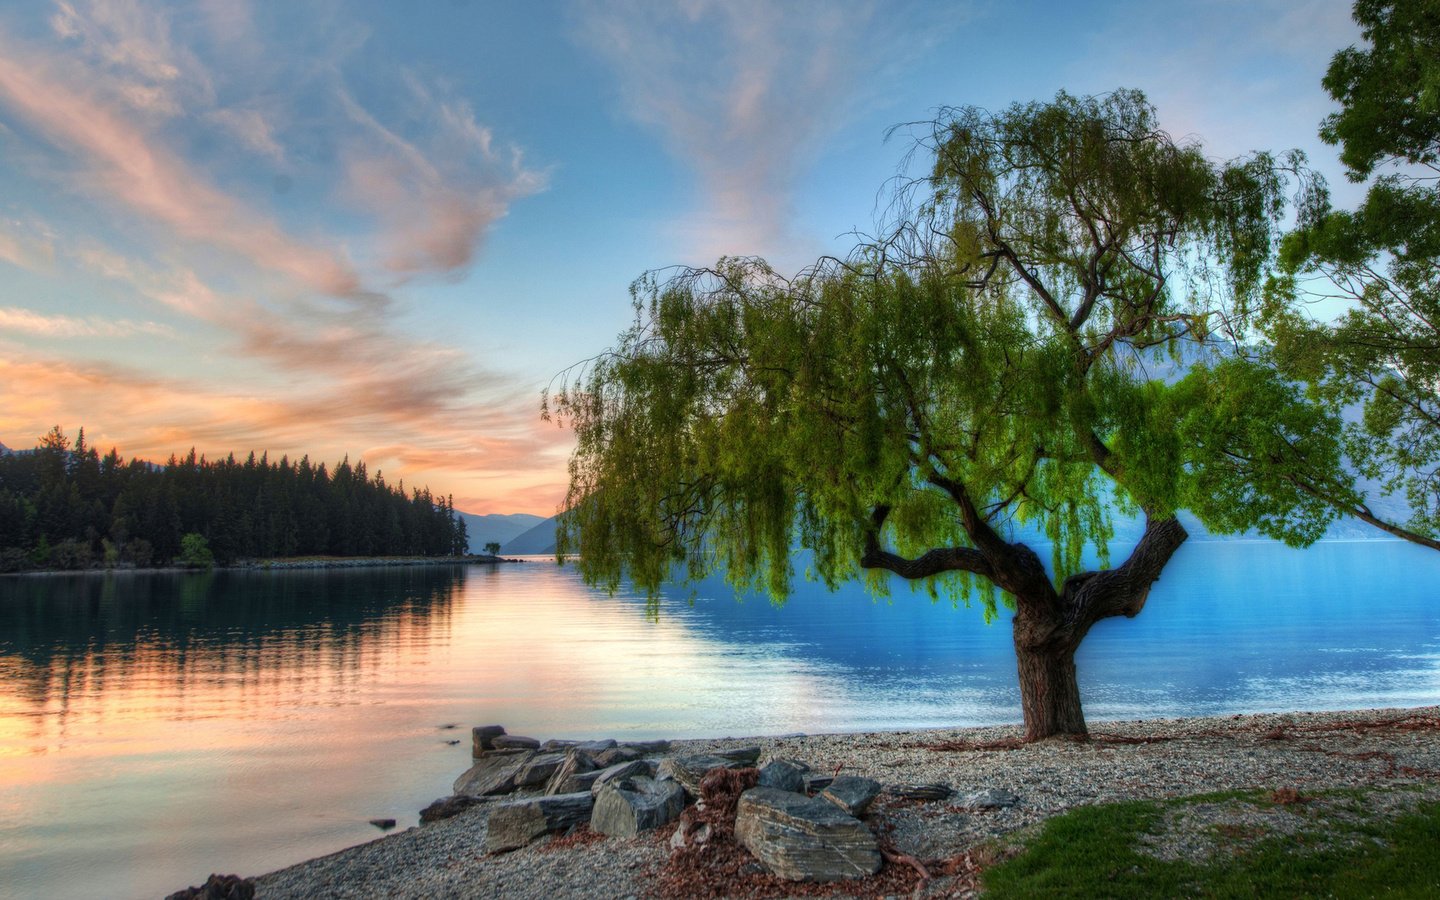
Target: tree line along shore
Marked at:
65, 507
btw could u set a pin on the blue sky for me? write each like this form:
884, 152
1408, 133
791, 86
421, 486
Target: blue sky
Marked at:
380, 229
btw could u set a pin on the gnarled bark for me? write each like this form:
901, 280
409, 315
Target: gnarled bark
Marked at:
1049, 625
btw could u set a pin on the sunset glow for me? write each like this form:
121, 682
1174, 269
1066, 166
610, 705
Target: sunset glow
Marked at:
376, 231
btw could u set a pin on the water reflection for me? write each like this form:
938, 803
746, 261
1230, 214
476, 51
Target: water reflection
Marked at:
167, 642
156, 728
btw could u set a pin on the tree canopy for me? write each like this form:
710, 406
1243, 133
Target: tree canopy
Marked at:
1383, 353
1006, 357
68, 507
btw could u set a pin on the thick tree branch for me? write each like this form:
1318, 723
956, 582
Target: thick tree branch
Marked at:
1122, 591
933, 562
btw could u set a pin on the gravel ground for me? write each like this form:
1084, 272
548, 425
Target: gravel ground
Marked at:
1123, 760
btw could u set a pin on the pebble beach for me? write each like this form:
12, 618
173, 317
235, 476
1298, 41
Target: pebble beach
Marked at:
1150, 759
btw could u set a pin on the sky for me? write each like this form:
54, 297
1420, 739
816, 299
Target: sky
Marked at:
381, 230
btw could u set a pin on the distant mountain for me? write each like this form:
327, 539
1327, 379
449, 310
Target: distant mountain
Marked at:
4, 450
535, 542
500, 528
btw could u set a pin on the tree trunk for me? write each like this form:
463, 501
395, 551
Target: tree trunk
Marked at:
1049, 625
1049, 690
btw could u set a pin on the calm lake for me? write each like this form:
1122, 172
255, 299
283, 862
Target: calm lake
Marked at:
157, 728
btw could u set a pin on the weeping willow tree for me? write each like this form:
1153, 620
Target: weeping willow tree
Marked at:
981, 373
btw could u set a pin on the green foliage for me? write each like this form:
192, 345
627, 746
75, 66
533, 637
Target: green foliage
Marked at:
1383, 258
1389, 91
195, 552
70, 507
1246, 433
982, 368
1096, 852
493, 548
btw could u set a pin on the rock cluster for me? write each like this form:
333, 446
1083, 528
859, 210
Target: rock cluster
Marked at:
797, 824
218, 887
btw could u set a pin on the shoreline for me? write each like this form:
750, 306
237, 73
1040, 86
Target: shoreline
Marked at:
1123, 760
278, 565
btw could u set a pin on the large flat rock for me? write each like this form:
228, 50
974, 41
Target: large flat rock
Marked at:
577, 762
851, 793
493, 773
803, 838
516, 823
688, 770
539, 770
624, 807
624, 770
785, 774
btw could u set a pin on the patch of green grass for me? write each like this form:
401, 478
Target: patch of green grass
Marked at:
1095, 852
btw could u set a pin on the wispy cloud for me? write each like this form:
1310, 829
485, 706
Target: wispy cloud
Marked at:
28, 245
129, 43
253, 129
744, 91
435, 203
485, 452
187, 160
26, 321
122, 162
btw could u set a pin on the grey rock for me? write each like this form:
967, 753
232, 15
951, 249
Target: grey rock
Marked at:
597, 746
514, 742
493, 773
919, 791
624, 807
383, 824
990, 798
555, 744
852, 793
218, 887
539, 770
688, 770
446, 807
580, 781
814, 784
576, 762
803, 838
629, 769
483, 737
783, 774
518, 822
749, 756
616, 755
646, 748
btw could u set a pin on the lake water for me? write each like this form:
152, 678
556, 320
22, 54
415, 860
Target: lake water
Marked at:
157, 728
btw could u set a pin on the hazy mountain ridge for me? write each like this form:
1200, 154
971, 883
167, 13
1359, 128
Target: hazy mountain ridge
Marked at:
536, 541
499, 528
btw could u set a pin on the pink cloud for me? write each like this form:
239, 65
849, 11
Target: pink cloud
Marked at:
435, 203
27, 245
330, 362
126, 165
253, 130
25, 321
484, 452
744, 92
